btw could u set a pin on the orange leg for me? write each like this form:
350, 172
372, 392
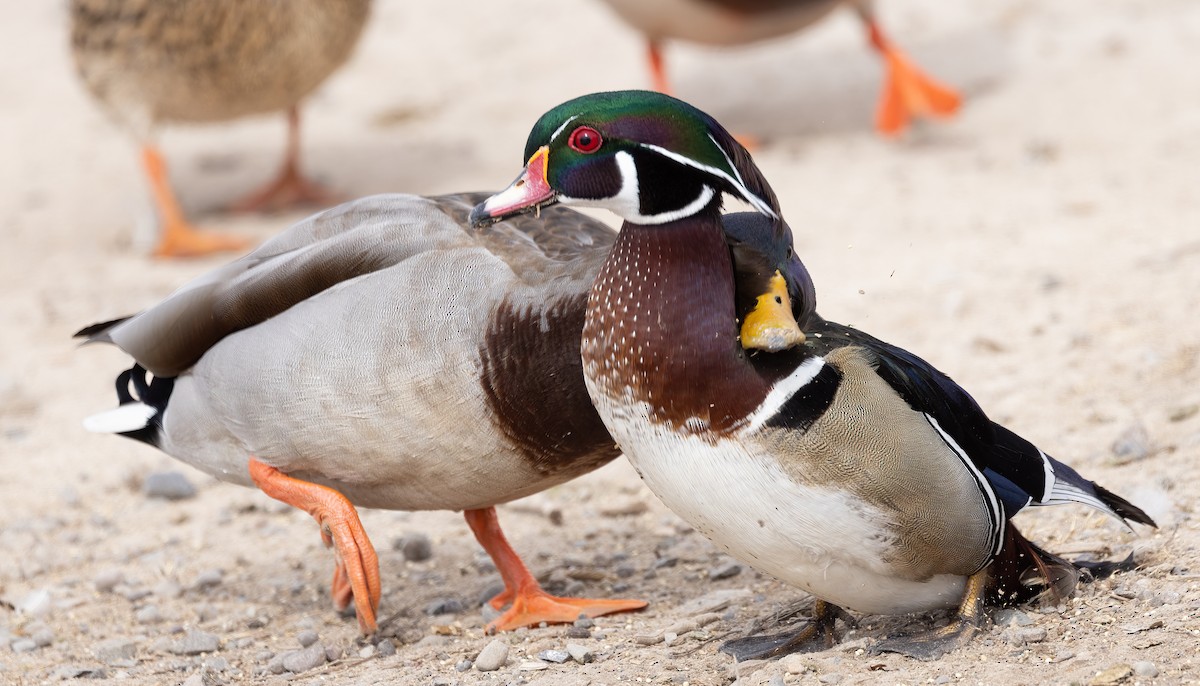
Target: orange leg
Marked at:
290, 188
530, 604
177, 237
357, 573
907, 91
658, 71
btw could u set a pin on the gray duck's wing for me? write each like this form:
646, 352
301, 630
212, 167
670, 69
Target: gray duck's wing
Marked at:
329, 248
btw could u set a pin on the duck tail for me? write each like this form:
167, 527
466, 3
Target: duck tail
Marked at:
139, 415
1023, 572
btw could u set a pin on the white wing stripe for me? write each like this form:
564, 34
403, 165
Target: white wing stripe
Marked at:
783, 391
995, 510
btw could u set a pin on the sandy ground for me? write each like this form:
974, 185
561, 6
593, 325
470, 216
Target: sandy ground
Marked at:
1043, 248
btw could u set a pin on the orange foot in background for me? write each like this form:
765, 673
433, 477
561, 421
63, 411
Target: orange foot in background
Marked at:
290, 188
907, 91
356, 576
530, 604
177, 238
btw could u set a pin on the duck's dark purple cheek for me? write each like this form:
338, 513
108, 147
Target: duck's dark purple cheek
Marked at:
590, 181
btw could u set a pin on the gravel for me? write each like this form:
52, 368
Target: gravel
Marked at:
107, 580
115, 650
307, 638
169, 485
416, 547
1144, 668
580, 653
297, 661
492, 657
148, 615
444, 606
556, 656
195, 643
208, 579
725, 570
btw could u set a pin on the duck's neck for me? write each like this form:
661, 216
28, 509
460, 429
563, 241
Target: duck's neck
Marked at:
661, 328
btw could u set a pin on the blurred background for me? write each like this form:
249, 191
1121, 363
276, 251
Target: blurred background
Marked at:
1042, 246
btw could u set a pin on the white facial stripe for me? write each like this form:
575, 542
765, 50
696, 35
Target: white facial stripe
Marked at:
783, 391
627, 202
755, 201
993, 505
562, 126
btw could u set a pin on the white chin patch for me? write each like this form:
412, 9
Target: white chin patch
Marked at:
627, 202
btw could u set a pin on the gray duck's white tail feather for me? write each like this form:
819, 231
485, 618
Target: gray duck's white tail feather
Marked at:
138, 416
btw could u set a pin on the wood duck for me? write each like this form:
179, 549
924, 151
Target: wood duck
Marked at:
840, 464
150, 62
382, 354
907, 92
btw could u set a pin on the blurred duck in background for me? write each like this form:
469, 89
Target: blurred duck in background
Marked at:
907, 91
150, 62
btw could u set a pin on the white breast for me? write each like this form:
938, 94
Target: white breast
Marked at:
817, 538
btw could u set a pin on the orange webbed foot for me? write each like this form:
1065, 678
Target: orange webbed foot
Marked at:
181, 240
533, 606
907, 91
530, 604
357, 573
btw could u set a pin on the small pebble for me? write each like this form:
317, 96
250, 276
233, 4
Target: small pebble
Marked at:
943, 679
1112, 676
444, 606
195, 643
726, 570
795, 664
367, 651
77, 672
1020, 636
148, 615
492, 657
115, 650
196, 679
43, 638
1012, 616
275, 666
107, 580
23, 645
580, 654
333, 653
168, 589
648, 639
298, 661
776, 680
306, 638
208, 579
556, 656
386, 648
578, 632
416, 547
35, 604
585, 623
625, 571
1144, 668
830, 678
1132, 445
169, 485
462, 665
532, 666
216, 664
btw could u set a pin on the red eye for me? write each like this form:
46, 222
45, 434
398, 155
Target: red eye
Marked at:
585, 139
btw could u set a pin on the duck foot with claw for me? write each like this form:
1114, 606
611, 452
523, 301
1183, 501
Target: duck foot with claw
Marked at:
290, 189
356, 576
931, 645
818, 634
530, 604
907, 91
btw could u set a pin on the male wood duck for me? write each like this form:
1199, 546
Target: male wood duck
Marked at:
907, 92
833, 461
382, 354
150, 62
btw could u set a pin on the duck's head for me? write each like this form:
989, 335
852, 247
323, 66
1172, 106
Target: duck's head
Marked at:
775, 294
645, 156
